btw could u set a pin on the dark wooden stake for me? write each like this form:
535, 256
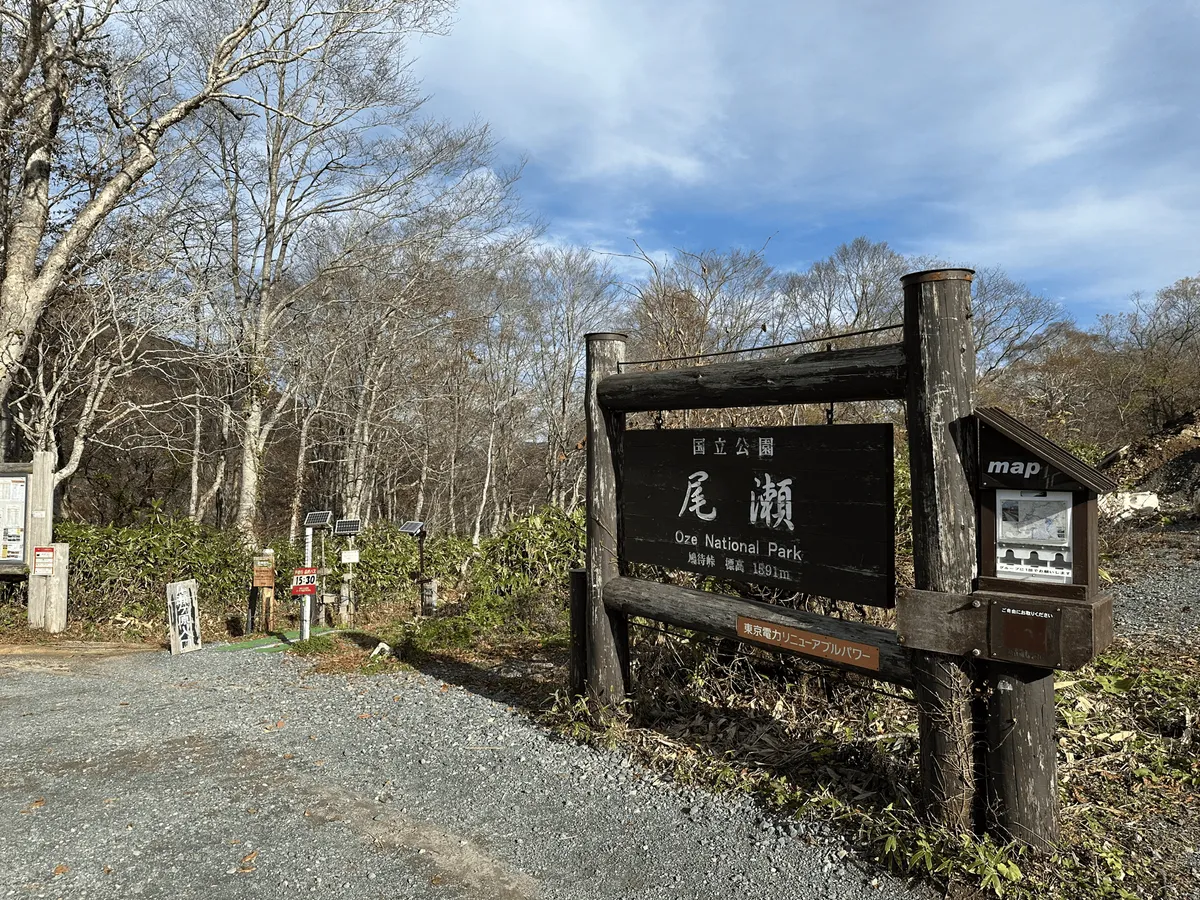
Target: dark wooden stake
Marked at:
577, 680
1021, 773
607, 633
941, 378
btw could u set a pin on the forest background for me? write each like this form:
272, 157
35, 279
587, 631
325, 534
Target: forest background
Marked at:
243, 275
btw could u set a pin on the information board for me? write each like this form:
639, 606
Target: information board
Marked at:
1033, 536
264, 571
14, 490
808, 508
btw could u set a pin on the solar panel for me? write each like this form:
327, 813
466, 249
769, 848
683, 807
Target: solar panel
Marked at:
318, 519
412, 527
347, 526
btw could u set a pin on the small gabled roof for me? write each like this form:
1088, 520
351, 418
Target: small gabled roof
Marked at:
1065, 462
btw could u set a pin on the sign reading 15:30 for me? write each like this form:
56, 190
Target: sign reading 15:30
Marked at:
304, 581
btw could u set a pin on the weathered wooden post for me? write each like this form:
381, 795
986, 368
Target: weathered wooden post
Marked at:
40, 531
941, 378
1022, 769
607, 632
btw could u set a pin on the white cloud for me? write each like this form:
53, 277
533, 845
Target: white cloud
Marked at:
598, 88
1038, 136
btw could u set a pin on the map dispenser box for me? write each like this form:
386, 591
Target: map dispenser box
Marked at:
1037, 513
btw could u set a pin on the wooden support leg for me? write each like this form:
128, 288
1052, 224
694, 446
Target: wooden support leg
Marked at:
1022, 772
943, 693
607, 633
940, 351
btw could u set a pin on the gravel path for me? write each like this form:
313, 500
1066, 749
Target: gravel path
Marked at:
235, 774
1163, 601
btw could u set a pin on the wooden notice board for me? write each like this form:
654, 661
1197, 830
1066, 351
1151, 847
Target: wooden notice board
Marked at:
809, 508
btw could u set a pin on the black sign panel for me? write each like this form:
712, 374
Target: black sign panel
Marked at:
810, 508
1003, 463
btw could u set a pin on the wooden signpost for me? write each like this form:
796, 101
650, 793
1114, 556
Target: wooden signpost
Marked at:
263, 586
1003, 544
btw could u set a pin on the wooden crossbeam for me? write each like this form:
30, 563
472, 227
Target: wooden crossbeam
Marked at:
831, 376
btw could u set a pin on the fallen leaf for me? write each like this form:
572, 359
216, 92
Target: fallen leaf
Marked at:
247, 869
60, 869
252, 809
364, 715
318, 762
107, 870
249, 857
289, 756
436, 879
445, 687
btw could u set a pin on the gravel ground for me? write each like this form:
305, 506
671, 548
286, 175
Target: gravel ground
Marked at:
235, 774
1161, 599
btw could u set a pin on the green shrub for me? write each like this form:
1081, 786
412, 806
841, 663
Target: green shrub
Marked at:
124, 571
520, 576
517, 578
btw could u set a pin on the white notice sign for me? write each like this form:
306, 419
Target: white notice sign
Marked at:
12, 518
183, 614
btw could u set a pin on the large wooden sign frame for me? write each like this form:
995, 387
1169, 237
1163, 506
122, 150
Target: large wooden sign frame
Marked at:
932, 370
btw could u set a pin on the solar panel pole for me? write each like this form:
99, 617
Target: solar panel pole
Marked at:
305, 602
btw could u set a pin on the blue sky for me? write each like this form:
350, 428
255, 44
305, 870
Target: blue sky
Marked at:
1059, 139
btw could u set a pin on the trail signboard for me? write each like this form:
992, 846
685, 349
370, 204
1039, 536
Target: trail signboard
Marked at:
264, 571
808, 508
183, 616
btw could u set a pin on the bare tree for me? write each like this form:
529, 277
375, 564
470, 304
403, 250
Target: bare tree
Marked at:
570, 293
103, 339
857, 287
704, 302
1008, 320
89, 92
323, 164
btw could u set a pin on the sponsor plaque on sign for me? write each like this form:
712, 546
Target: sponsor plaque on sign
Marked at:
304, 581
850, 653
809, 508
